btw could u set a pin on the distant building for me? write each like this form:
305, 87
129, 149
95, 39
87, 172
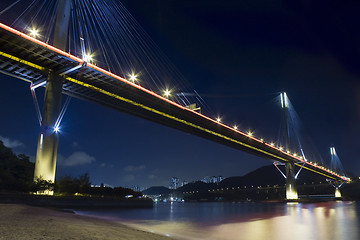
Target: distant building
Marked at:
136, 188
213, 179
206, 179
183, 183
174, 183
219, 179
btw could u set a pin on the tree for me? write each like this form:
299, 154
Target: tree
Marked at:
16, 172
84, 183
41, 185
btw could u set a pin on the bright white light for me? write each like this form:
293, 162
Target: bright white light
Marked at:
167, 93
332, 151
218, 119
235, 127
133, 77
88, 58
283, 99
272, 144
249, 133
34, 32
56, 129
280, 148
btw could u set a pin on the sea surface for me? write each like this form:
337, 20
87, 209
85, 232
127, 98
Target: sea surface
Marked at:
249, 221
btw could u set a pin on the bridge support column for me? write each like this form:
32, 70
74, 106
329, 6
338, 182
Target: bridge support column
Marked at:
337, 192
291, 191
46, 154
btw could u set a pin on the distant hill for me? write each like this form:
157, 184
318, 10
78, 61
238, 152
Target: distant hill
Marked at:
196, 186
269, 175
263, 176
157, 190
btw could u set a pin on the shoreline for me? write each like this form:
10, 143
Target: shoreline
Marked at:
19, 221
76, 202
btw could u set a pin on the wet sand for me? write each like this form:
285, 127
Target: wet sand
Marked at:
25, 222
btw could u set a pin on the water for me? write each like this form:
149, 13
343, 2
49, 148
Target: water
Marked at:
253, 221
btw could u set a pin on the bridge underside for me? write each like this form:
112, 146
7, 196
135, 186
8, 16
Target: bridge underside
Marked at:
30, 61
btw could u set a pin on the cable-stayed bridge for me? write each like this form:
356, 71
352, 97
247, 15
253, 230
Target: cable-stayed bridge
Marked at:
30, 59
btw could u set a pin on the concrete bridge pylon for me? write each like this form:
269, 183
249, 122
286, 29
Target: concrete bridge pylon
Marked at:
46, 154
291, 190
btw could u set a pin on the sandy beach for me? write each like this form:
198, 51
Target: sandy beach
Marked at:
26, 222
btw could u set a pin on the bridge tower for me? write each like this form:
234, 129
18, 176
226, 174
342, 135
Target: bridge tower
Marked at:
291, 191
336, 166
46, 154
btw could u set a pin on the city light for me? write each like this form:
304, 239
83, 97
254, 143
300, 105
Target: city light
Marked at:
56, 129
235, 127
218, 119
34, 32
249, 133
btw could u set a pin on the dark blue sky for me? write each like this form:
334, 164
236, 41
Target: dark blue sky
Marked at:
238, 55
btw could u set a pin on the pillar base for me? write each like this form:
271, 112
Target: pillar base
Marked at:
45, 192
291, 193
337, 192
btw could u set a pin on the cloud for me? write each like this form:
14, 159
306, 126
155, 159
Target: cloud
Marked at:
152, 176
11, 143
75, 159
128, 178
131, 168
75, 144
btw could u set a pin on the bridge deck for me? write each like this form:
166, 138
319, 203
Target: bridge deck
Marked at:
31, 60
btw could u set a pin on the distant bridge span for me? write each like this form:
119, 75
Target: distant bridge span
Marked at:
29, 59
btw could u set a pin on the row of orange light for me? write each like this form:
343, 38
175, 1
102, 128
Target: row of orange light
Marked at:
167, 93
294, 155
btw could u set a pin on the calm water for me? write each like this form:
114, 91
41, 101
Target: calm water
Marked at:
253, 221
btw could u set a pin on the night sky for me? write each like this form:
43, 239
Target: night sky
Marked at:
238, 55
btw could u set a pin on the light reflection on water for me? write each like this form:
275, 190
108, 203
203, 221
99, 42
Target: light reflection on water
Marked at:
230, 221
